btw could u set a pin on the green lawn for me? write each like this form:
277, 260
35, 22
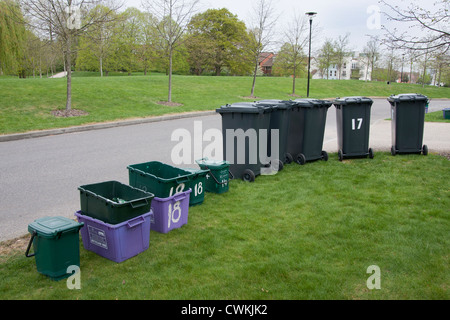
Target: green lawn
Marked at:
308, 232
437, 116
26, 104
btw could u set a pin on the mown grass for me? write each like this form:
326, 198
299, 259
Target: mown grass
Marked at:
308, 232
437, 116
26, 104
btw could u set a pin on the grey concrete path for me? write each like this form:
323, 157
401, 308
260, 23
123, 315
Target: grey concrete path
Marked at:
41, 171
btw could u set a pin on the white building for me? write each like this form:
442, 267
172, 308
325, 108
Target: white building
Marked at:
354, 67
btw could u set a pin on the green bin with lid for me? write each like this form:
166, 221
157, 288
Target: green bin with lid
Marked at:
245, 127
353, 127
218, 176
56, 246
307, 129
407, 123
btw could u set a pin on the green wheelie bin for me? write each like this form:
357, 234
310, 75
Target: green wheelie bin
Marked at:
245, 127
307, 130
407, 122
56, 246
279, 120
353, 127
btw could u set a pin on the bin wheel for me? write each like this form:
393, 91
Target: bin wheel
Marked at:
288, 158
301, 159
248, 175
371, 155
340, 155
324, 155
424, 150
393, 150
280, 164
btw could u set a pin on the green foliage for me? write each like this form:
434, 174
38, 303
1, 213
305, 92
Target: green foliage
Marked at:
286, 60
217, 41
13, 38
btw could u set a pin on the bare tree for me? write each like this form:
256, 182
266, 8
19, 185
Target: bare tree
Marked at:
172, 19
64, 20
434, 26
371, 54
341, 51
261, 33
297, 37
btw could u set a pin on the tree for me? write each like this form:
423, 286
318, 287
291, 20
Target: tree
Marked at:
341, 51
261, 33
217, 37
172, 18
13, 37
96, 47
63, 19
371, 54
327, 57
296, 37
433, 26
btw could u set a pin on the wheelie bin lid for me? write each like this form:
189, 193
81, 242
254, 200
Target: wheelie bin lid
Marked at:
404, 97
245, 107
311, 103
52, 227
352, 100
278, 104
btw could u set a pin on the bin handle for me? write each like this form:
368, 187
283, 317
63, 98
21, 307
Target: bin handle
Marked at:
29, 246
179, 196
182, 179
135, 222
139, 203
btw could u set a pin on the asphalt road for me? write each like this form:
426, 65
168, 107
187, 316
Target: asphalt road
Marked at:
40, 176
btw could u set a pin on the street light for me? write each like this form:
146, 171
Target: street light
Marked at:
311, 15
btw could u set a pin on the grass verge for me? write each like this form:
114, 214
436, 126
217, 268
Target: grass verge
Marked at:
28, 104
308, 232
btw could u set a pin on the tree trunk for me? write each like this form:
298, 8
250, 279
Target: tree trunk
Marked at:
169, 98
293, 80
101, 66
254, 79
69, 75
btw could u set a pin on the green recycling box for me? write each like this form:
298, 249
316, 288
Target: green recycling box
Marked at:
218, 177
56, 246
164, 180
113, 202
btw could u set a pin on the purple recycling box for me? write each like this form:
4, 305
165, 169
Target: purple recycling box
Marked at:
170, 213
116, 242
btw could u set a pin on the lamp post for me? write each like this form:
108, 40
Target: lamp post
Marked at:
311, 15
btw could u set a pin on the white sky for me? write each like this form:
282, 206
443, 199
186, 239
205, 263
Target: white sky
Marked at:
335, 18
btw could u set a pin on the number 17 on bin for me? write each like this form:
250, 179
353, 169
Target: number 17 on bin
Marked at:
359, 120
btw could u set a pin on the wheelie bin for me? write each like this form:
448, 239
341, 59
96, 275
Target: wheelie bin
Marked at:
307, 129
279, 120
408, 116
245, 128
353, 127
56, 245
